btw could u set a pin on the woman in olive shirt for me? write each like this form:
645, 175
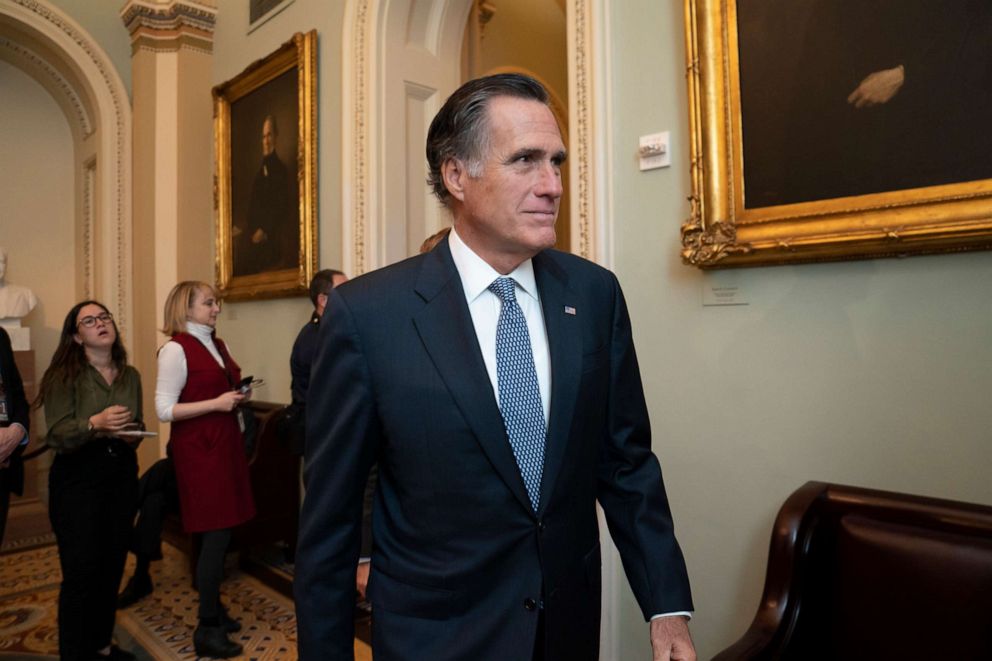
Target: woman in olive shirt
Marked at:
92, 401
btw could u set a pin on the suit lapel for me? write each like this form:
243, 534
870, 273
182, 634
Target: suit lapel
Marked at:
565, 346
446, 329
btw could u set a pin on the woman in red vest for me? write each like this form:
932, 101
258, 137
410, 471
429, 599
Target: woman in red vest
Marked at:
197, 392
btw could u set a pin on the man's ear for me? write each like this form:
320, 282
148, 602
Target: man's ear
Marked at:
454, 174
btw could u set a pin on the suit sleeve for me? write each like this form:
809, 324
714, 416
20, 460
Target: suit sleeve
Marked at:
342, 437
631, 490
17, 401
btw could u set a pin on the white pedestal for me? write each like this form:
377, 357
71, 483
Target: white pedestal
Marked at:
20, 338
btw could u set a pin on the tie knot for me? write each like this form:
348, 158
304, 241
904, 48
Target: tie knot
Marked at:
505, 289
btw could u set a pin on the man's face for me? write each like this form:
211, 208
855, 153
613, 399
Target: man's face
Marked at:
336, 279
507, 214
268, 138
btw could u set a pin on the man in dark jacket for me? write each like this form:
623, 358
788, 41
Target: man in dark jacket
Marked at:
14, 426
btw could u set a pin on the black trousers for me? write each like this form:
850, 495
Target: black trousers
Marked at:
540, 641
157, 497
92, 499
4, 502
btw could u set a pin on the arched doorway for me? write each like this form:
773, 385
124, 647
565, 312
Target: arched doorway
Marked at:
84, 246
403, 58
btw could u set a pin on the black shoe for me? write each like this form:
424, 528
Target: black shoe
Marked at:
228, 623
137, 588
116, 654
213, 641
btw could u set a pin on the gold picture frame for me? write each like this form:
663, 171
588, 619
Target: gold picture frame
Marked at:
266, 179
794, 221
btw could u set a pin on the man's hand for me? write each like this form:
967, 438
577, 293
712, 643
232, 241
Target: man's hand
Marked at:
670, 639
259, 236
878, 87
10, 438
362, 577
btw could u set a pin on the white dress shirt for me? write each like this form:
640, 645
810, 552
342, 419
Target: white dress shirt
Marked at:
484, 306
172, 369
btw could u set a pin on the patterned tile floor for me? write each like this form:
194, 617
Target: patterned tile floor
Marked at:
158, 627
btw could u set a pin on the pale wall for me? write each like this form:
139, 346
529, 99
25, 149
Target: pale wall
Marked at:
531, 35
101, 20
872, 373
36, 205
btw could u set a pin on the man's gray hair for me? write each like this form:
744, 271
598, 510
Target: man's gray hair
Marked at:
461, 128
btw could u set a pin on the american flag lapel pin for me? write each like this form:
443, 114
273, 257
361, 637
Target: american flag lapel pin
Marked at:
570, 310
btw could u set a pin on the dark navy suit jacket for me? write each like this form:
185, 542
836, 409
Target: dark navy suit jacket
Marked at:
12, 478
462, 565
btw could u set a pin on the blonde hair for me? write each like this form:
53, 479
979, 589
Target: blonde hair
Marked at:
179, 302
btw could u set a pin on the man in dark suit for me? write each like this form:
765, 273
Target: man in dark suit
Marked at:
294, 422
301, 357
14, 425
494, 381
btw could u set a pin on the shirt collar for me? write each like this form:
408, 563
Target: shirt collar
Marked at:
202, 332
477, 275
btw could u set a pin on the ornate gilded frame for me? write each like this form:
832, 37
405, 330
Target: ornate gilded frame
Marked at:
721, 231
299, 53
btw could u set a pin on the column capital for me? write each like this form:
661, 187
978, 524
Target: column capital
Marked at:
169, 25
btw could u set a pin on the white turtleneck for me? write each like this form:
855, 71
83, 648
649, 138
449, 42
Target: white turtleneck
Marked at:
172, 370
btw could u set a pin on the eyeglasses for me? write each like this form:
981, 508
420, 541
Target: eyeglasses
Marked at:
90, 322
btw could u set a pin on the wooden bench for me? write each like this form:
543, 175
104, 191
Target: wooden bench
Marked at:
863, 574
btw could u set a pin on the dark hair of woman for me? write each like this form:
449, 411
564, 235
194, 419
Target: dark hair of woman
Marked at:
70, 357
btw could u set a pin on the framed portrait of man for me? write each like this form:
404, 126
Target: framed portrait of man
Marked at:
266, 174
837, 129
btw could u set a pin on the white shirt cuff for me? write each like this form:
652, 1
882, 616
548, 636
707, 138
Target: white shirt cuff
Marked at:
687, 614
26, 439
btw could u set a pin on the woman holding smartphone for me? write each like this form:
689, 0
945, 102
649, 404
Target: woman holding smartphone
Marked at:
92, 400
198, 391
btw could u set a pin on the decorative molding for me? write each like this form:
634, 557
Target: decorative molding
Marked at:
360, 128
582, 121
171, 44
89, 240
167, 28
705, 246
119, 122
174, 16
37, 62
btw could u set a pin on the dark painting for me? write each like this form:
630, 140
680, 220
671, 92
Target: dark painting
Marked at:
853, 97
265, 192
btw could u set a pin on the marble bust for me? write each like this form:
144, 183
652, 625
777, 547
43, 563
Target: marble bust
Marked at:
15, 301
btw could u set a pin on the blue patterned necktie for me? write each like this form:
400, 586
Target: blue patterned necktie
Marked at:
519, 395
